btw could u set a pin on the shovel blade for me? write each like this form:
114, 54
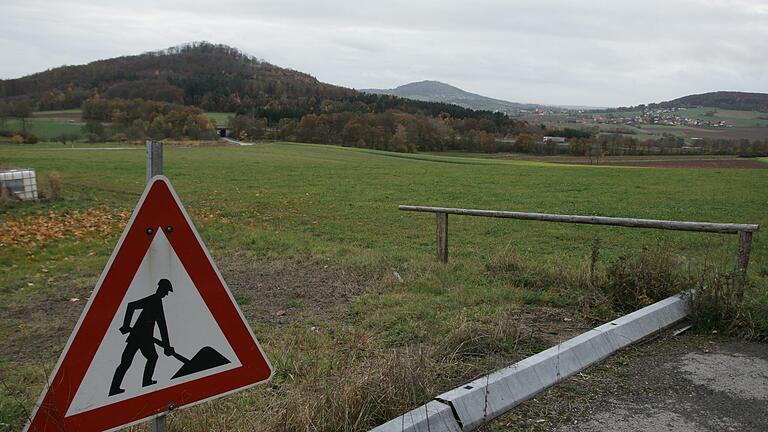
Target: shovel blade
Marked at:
206, 358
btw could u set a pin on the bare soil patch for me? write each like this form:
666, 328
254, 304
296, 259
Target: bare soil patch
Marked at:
282, 291
661, 161
273, 291
36, 322
740, 163
551, 324
38, 330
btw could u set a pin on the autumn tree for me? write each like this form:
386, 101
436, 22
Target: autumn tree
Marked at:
525, 143
399, 142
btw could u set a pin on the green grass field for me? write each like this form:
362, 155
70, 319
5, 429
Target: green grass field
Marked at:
219, 117
733, 117
322, 208
45, 129
48, 125
746, 124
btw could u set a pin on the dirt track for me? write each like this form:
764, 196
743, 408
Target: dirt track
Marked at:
666, 161
695, 163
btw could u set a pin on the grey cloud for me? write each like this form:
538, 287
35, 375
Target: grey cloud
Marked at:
569, 52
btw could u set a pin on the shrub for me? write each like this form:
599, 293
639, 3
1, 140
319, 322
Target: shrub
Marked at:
30, 138
17, 139
7, 199
54, 180
65, 138
507, 263
635, 281
717, 305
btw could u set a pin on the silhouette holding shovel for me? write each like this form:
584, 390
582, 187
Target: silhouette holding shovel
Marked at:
141, 338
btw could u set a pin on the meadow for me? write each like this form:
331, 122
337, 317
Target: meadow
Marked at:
733, 117
219, 117
342, 289
46, 129
50, 125
752, 125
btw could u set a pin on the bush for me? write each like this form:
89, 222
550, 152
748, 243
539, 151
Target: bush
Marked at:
717, 305
17, 139
507, 262
722, 301
635, 281
65, 138
54, 180
7, 199
92, 138
30, 138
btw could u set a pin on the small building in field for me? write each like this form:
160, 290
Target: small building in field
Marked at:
223, 131
19, 183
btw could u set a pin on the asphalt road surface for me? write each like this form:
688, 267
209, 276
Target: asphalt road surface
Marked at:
720, 386
686, 383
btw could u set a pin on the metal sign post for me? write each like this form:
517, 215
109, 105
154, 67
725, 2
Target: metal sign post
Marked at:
154, 159
158, 424
155, 167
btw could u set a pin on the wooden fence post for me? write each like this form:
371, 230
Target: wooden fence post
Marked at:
745, 247
442, 237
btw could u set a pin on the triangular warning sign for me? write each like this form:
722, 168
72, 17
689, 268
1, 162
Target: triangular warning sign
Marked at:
161, 330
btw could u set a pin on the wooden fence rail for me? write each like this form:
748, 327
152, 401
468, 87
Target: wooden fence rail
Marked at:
743, 230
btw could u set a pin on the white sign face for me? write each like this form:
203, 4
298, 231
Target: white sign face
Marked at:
191, 330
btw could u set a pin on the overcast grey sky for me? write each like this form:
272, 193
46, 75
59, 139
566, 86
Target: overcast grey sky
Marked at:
581, 52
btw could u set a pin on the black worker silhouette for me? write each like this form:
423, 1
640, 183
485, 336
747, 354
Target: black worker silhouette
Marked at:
141, 336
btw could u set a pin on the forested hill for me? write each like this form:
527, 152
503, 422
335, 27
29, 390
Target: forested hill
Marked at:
212, 77
160, 95
721, 99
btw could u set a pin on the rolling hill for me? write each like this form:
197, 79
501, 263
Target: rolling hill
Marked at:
213, 77
730, 100
209, 76
161, 94
436, 91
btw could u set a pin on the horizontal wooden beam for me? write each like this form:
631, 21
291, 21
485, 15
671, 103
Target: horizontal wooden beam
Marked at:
724, 228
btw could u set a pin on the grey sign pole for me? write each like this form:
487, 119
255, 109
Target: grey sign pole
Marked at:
155, 167
154, 159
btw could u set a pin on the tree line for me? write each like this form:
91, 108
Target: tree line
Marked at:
392, 130
598, 145
137, 119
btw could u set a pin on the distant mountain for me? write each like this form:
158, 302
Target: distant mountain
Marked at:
722, 99
436, 91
